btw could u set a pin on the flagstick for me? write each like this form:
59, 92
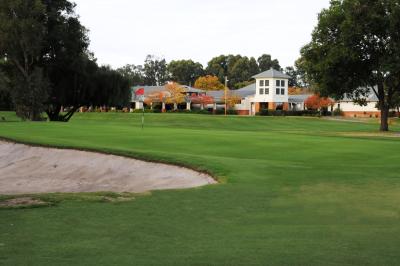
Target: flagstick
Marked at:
143, 116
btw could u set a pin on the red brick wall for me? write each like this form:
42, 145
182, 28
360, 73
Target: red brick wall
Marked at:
362, 114
286, 106
243, 112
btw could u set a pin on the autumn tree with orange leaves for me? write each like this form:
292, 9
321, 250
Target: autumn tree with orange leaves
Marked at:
208, 83
298, 91
315, 102
203, 100
175, 94
155, 97
231, 99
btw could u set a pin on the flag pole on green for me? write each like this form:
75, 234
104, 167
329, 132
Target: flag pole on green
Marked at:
140, 95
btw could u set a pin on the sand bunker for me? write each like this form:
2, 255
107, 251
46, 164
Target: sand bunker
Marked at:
29, 170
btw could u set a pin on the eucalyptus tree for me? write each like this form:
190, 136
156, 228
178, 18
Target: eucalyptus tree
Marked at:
355, 49
22, 31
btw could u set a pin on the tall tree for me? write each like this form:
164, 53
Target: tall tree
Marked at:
355, 49
155, 70
265, 63
6, 102
218, 66
21, 42
294, 77
133, 73
67, 60
185, 71
45, 46
243, 70
112, 88
235, 67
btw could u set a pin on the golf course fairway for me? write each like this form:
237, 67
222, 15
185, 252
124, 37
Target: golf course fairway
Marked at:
292, 191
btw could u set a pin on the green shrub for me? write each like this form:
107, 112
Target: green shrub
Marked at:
338, 112
266, 112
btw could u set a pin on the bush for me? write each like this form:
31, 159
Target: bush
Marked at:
179, 111
338, 112
147, 111
266, 112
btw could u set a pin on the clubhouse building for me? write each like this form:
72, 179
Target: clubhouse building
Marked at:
269, 92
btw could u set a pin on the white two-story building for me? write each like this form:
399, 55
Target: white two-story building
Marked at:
269, 92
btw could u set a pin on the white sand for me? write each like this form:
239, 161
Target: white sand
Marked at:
29, 170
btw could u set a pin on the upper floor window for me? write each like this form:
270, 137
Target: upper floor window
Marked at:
282, 83
261, 91
261, 83
267, 91
282, 91
267, 83
278, 91
278, 83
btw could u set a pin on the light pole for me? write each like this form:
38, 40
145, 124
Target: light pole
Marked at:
226, 88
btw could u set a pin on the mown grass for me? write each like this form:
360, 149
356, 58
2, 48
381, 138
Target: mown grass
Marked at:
298, 191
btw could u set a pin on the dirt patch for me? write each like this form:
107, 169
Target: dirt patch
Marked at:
370, 134
31, 170
351, 120
21, 202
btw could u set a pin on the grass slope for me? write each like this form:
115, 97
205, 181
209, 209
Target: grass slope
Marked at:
299, 191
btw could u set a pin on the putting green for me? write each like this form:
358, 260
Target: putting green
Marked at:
295, 191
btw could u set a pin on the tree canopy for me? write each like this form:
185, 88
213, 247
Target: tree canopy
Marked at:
155, 71
185, 71
265, 62
45, 50
355, 49
133, 73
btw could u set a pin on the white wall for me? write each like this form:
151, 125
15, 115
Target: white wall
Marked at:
272, 96
352, 107
245, 104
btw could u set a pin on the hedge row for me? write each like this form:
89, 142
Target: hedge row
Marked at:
292, 113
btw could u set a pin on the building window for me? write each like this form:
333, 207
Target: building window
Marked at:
278, 91
261, 91
261, 83
282, 91
267, 83
267, 91
278, 83
282, 83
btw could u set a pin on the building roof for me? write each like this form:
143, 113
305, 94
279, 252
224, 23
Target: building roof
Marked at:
152, 89
243, 92
246, 91
300, 98
272, 73
190, 89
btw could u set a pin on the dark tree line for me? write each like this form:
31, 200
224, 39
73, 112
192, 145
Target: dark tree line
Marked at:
45, 63
239, 70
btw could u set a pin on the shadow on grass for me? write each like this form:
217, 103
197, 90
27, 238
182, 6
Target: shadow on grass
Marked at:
30, 201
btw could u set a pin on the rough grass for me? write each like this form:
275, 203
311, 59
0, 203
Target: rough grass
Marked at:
298, 191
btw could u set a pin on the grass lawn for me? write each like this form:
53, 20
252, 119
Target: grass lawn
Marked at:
294, 191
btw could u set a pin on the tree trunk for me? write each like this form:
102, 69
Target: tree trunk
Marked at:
54, 114
68, 116
384, 118
383, 106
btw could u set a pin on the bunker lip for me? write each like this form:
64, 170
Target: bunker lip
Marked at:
28, 169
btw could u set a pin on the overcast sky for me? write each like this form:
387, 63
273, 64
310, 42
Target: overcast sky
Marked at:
125, 31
